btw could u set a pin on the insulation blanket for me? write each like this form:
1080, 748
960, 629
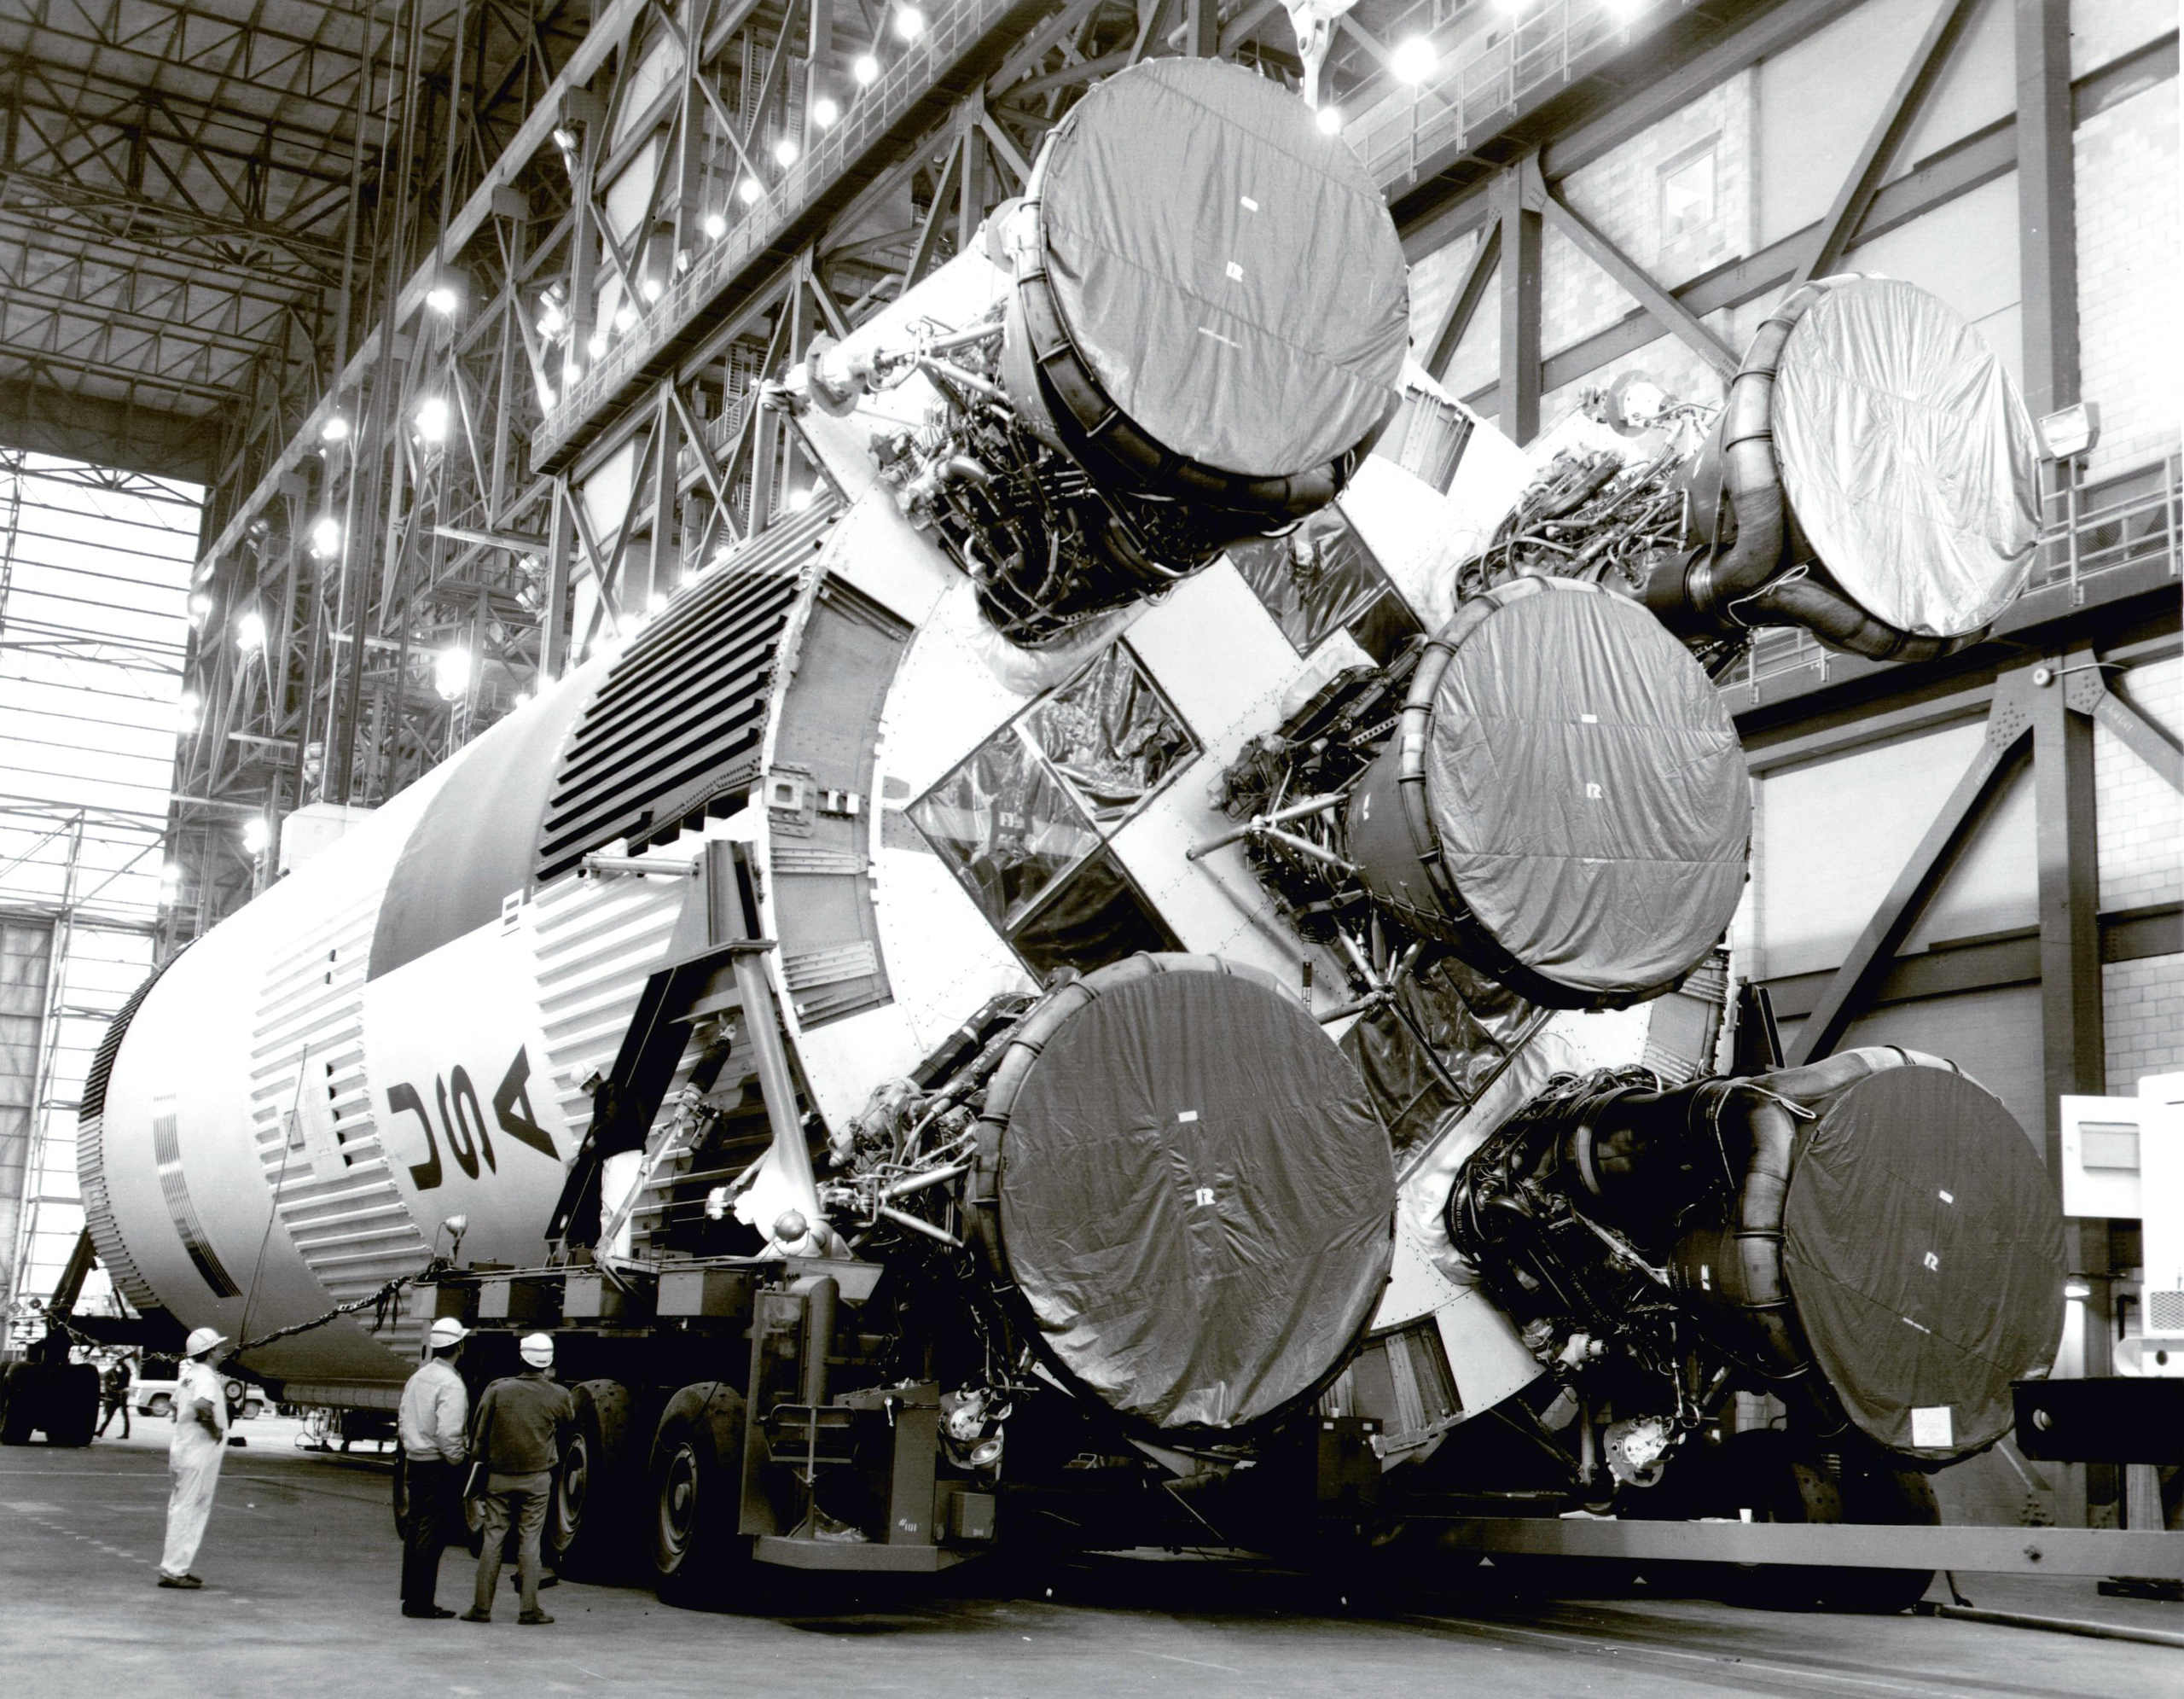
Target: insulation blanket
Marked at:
1196, 1202
1589, 790
1908, 457
1230, 274
1923, 1246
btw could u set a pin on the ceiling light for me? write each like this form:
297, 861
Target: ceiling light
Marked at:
784, 153
1330, 121
800, 500
824, 112
199, 605
626, 319
565, 138
171, 874
597, 346
256, 835
432, 419
442, 299
326, 536
657, 604
187, 708
451, 673
748, 191
335, 429
910, 22
716, 226
1415, 60
866, 70
250, 632
650, 289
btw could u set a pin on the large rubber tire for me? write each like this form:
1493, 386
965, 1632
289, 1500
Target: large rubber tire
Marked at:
71, 1405
16, 1407
599, 1490
1779, 1480
161, 1405
696, 1476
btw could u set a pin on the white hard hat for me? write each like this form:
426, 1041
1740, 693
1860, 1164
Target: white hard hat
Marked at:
447, 1331
537, 1350
202, 1340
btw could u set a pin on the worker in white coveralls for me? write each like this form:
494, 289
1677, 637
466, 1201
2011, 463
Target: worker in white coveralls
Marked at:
201, 1440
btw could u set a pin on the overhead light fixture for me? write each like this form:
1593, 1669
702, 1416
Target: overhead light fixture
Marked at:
1415, 59
335, 429
597, 346
824, 113
910, 22
451, 673
441, 300
784, 153
716, 226
2070, 432
657, 604
572, 370
800, 498
188, 707
626, 319
432, 419
565, 138
256, 835
199, 606
650, 289
1330, 121
866, 70
551, 322
326, 536
748, 191
250, 632
171, 874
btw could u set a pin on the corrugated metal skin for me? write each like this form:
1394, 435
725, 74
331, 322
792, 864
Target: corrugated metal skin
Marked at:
680, 722
336, 1197
593, 942
90, 1153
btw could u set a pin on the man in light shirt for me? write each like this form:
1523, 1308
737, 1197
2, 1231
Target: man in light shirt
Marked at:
201, 1442
435, 1420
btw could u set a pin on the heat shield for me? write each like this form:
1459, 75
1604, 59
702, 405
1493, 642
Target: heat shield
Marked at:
1589, 792
1924, 1246
1196, 1203
1231, 274
1908, 457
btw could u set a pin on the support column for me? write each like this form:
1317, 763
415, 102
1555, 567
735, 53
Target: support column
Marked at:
1518, 216
2073, 1056
2047, 200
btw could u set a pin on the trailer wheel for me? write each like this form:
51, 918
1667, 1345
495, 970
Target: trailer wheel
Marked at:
1779, 1480
589, 1521
15, 1413
697, 1473
71, 1405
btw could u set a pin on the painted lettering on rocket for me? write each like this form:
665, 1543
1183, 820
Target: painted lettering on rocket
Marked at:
462, 1120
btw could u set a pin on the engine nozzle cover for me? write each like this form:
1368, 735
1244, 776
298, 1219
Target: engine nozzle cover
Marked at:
1565, 804
1213, 306
1923, 1246
1196, 1205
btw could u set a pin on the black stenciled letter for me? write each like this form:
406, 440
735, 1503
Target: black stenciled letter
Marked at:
402, 1097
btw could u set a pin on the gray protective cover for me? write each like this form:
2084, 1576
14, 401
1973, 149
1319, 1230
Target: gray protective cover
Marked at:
1589, 790
1907, 457
1230, 274
1196, 1200
1924, 1245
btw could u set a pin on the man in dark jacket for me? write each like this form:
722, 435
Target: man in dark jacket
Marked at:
113, 1397
517, 1435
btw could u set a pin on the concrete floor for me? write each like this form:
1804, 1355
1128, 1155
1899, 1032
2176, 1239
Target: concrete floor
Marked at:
300, 1570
